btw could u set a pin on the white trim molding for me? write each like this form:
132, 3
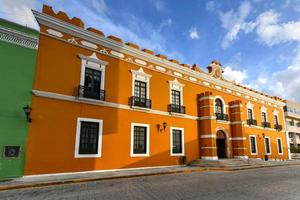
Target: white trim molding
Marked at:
250, 144
182, 142
277, 139
19, 38
270, 145
77, 141
67, 28
92, 62
208, 136
237, 138
132, 154
140, 75
175, 85
224, 106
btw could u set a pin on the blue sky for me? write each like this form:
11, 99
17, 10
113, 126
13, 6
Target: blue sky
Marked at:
257, 41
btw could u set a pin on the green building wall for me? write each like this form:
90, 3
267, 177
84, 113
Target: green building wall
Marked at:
17, 64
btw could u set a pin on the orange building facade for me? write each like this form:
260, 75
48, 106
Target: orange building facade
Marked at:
101, 104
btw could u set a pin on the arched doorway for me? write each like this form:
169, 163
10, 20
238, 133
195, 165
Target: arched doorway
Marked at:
221, 144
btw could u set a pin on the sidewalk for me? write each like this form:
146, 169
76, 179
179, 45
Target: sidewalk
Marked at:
58, 179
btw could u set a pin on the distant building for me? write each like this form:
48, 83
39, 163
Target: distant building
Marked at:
292, 115
18, 49
100, 104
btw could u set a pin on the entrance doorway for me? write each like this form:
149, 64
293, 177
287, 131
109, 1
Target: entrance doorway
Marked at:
221, 144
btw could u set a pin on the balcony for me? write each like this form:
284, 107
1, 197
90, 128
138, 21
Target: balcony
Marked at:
252, 122
173, 108
221, 116
140, 102
266, 124
90, 93
278, 127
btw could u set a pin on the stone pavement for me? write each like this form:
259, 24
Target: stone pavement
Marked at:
59, 179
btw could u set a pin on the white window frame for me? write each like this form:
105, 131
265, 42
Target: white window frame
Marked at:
250, 106
140, 75
175, 85
275, 113
182, 141
254, 136
77, 142
270, 145
132, 154
265, 110
92, 62
278, 146
223, 102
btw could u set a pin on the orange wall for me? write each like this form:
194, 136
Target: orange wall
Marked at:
51, 141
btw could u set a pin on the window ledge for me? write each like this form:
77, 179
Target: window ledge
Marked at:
90, 100
177, 154
177, 114
139, 155
140, 108
222, 121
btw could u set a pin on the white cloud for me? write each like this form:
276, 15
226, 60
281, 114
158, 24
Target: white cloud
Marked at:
234, 22
234, 75
19, 12
284, 83
271, 32
193, 34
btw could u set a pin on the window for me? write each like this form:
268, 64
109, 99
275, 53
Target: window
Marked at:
264, 117
176, 97
253, 146
267, 146
92, 77
219, 106
175, 100
276, 120
177, 141
140, 89
250, 114
88, 138
139, 139
92, 84
279, 145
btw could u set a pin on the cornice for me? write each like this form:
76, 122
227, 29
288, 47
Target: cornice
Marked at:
67, 28
16, 37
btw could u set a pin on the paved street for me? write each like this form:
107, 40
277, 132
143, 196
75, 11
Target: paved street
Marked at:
277, 183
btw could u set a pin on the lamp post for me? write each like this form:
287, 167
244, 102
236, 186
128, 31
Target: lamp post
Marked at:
27, 110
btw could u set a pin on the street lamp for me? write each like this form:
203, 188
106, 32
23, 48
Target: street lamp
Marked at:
27, 110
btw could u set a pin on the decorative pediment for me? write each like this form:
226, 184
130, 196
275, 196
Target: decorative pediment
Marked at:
215, 69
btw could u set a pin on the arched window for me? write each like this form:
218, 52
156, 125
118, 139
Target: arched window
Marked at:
219, 106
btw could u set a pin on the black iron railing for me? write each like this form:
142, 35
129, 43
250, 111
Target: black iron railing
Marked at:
91, 93
221, 116
252, 122
176, 108
140, 102
278, 127
266, 124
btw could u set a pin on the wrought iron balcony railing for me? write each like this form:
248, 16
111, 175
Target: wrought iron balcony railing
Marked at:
221, 116
90, 93
266, 124
176, 108
252, 122
278, 127
140, 102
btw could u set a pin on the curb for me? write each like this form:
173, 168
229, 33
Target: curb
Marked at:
82, 180
63, 182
